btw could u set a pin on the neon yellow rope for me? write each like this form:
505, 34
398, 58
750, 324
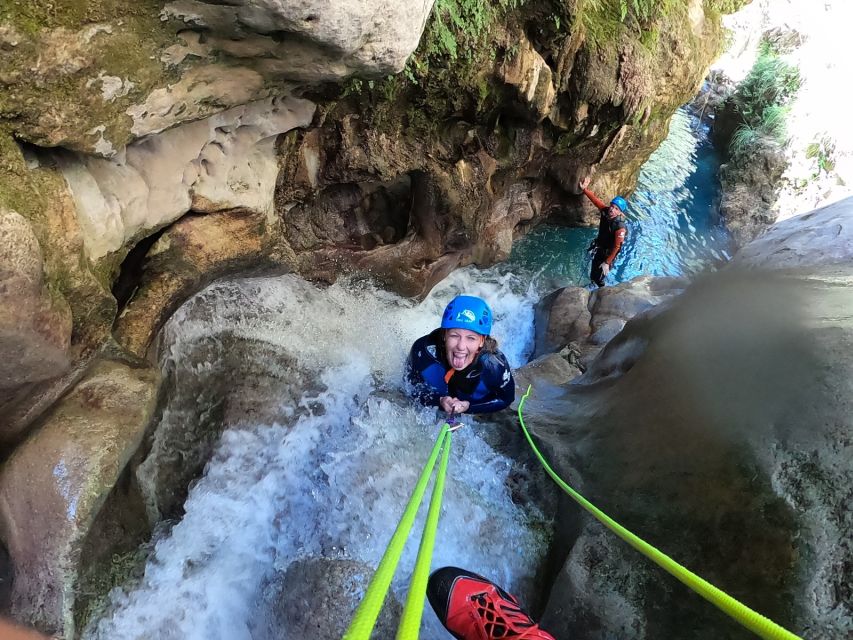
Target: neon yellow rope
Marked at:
410, 623
365, 616
750, 619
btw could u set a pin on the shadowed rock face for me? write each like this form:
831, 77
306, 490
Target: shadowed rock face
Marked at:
54, 485
723, 438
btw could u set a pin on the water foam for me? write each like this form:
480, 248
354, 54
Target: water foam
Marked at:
333, 482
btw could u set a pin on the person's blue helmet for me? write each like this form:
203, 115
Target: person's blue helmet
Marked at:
620, 202
468, 312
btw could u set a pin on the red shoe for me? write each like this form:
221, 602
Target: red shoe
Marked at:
472, 608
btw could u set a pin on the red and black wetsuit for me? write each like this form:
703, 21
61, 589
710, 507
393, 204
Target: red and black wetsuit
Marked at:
611, 236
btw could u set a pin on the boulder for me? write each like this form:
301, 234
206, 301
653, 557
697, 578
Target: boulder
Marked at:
548, 370
35, 325
823, 237
217, 382
54, 485
315, 598
365, 37
590, 320
714, 428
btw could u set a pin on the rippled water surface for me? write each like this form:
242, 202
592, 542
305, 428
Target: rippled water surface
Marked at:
673, 222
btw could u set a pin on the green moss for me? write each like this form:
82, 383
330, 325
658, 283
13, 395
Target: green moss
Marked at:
32, 17
726, 6
66, 101
99, 579
607, 21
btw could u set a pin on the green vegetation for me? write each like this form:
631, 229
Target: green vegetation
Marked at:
448, 73
760, 103
823, 153
725, 6
606, 21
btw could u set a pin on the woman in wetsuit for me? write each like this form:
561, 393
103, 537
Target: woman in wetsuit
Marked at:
458, 367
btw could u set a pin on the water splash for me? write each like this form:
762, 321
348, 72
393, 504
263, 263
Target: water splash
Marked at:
333, 481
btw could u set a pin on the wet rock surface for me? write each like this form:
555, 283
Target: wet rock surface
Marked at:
212, 383
717, 428
54, 485
583, 321
35, 328
315, 598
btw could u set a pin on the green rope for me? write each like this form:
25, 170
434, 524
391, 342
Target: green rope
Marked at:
750, 619
365, 616
410, 623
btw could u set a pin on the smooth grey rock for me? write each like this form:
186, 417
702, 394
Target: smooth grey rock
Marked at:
720, 432
818, 238
550, 369
336, 38
227, 161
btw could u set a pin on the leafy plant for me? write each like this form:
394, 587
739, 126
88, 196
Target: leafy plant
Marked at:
760, 102
823, 152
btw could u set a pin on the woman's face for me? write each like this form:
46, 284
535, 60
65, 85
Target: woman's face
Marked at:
461, 347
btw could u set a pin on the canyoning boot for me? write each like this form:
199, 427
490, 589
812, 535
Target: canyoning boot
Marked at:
472, 608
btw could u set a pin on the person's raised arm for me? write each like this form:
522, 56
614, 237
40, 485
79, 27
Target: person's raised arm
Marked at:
598, 203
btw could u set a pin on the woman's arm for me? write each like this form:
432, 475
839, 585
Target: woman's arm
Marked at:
419, 389
497, 376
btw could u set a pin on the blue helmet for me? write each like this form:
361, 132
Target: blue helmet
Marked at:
468, 312
620, 202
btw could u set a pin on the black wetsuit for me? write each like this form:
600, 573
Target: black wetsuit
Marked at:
487, 383
611, 235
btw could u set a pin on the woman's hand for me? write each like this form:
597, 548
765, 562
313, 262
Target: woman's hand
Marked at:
454, 405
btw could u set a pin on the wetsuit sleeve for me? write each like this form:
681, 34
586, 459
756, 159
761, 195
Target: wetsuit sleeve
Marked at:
497, 375
599, 204
618, 240
419, 389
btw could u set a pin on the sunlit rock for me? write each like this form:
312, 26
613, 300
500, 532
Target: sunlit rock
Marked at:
820, 238
223, 162
309, 39
587, 321
54, 485
527, 72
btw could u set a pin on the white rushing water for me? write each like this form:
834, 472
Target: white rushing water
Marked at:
333, 481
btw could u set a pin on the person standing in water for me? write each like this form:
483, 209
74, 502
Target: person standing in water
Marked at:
612, 231
458, 367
